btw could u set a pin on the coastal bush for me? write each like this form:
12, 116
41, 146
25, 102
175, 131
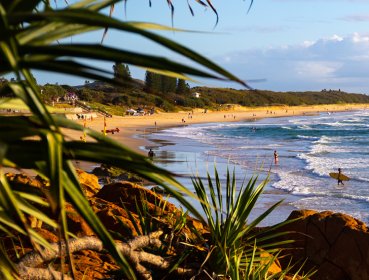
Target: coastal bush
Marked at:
221, 96
235, 248
32, 38
52, 92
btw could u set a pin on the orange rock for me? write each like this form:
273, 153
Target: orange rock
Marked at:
76, 224
129, 193
336, 244
89, 183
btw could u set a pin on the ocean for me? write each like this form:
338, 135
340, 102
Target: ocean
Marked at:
309, 148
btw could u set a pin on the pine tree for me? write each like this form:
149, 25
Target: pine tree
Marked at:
148, 81
122, 73
168, 84
127, 73
156, 82
182, 87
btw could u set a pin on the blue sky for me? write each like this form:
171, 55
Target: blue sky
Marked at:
288, 44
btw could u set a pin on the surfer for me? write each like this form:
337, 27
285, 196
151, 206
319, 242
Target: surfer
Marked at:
275, 157
339, 179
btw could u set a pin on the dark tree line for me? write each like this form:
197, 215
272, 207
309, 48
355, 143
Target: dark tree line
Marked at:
156, 83
122, 73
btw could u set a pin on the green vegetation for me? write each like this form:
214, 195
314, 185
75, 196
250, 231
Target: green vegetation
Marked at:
212, 98
116, 100
32, 37
253, 98
122, 74
233, 237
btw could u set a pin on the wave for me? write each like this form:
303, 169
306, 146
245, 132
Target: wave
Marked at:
304, 127
295, 183
323, 165
308, 137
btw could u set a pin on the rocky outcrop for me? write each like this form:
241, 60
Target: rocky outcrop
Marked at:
132, 196
117, 205
334, 244
89, 183
107, 173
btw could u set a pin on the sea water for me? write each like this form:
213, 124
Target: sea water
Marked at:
309, 148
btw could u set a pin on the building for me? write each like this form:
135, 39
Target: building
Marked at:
196, 94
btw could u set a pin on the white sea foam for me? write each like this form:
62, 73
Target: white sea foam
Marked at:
354, 120
323, 165
307, 137
332, 202
296, 183
324, 149
305, 127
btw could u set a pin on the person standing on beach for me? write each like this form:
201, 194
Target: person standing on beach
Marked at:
339, 180
275, 157
151, 153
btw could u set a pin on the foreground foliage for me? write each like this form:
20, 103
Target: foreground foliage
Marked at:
31, 37
236, 247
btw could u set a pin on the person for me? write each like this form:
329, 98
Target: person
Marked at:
275, 157
339, 180
151, 153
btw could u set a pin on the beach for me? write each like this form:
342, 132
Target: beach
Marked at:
188, 143
130, 126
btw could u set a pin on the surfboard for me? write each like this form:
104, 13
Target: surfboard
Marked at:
334, 175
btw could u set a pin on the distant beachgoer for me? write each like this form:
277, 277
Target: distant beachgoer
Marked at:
151, 153
339, 176
275, 157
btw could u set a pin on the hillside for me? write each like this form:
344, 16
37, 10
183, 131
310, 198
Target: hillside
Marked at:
116, 100
211, 98
265, 98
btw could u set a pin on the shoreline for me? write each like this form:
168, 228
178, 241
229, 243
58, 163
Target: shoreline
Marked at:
134, 128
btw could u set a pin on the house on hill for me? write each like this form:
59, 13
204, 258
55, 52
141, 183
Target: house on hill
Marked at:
70, 96
196, 94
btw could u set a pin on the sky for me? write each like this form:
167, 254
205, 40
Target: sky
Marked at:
280, 45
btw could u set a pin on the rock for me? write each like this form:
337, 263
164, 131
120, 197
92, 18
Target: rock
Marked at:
48, 235
274, 267
335, 244
115, 173
130, 194
115, 218
89, 183
101, 172
76, 224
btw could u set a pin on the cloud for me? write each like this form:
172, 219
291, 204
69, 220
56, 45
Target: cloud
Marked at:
334, 62
356, 18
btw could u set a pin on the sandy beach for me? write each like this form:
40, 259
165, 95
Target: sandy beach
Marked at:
130, 126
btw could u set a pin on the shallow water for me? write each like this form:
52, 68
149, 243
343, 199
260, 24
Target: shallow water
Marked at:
309, 148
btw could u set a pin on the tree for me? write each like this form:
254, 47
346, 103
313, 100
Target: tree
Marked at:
182, 87
157, 83
122, 73
153, 82
168, 84
148, 81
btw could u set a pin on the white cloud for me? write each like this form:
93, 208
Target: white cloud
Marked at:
333, 62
